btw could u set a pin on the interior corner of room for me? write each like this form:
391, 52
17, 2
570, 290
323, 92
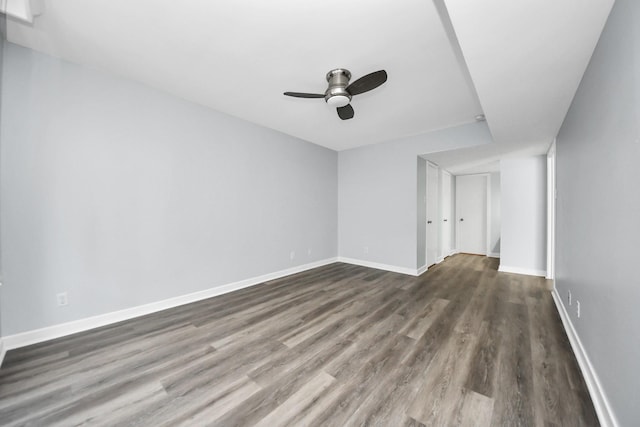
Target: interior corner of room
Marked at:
135, 179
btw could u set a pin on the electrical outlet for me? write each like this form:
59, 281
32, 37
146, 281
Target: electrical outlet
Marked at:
292, 255
569, 297
366, 249
578, 308
62, 298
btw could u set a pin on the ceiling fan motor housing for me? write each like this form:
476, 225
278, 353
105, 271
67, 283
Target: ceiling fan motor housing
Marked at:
337, 95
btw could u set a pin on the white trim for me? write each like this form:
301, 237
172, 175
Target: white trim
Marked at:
386, 267
489, 215
494, 255
605, 413
519, 270
56, 331
3, 351
429, 162
23, 10
439, 259
421, 270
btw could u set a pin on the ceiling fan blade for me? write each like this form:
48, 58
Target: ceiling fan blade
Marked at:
304, 95
345, 112
367, 83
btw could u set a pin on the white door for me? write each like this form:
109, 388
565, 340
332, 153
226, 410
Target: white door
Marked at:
432, 214
471, 214
446, 215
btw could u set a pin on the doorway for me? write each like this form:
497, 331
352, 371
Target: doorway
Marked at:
471, 214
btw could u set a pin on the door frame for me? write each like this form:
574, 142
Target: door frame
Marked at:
551, 211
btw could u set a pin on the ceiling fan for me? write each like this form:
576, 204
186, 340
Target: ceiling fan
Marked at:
339, 92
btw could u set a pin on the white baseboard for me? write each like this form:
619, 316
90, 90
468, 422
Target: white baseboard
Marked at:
3, 351
605, 413
493, 254
440, 259
56, 331
518, 270
24, 339
386, 267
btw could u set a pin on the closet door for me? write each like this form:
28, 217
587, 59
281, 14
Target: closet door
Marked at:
432, 215
447, 219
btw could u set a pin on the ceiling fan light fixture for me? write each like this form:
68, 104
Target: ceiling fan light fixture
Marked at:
338, 100
340, 91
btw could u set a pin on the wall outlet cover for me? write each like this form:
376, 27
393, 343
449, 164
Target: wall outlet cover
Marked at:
62, 299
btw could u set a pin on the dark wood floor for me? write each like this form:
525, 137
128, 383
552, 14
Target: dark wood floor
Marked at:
338, 345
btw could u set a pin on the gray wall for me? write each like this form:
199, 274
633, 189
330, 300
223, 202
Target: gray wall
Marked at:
378, 195
122, 195
598, 206
524, 213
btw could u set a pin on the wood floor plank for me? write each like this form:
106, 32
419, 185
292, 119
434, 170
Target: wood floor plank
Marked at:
281, 388
66, 371
423, 321
216, 367
513, 404
205, 407
339, 345
199, 406
308, 329
347, 365
285, 413
358, 387
442, 388
56, 405
121, 405
477, 410
546, 374
388, 401
410, 422
484, 367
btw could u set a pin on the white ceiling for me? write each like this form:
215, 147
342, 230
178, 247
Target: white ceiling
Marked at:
525, 60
